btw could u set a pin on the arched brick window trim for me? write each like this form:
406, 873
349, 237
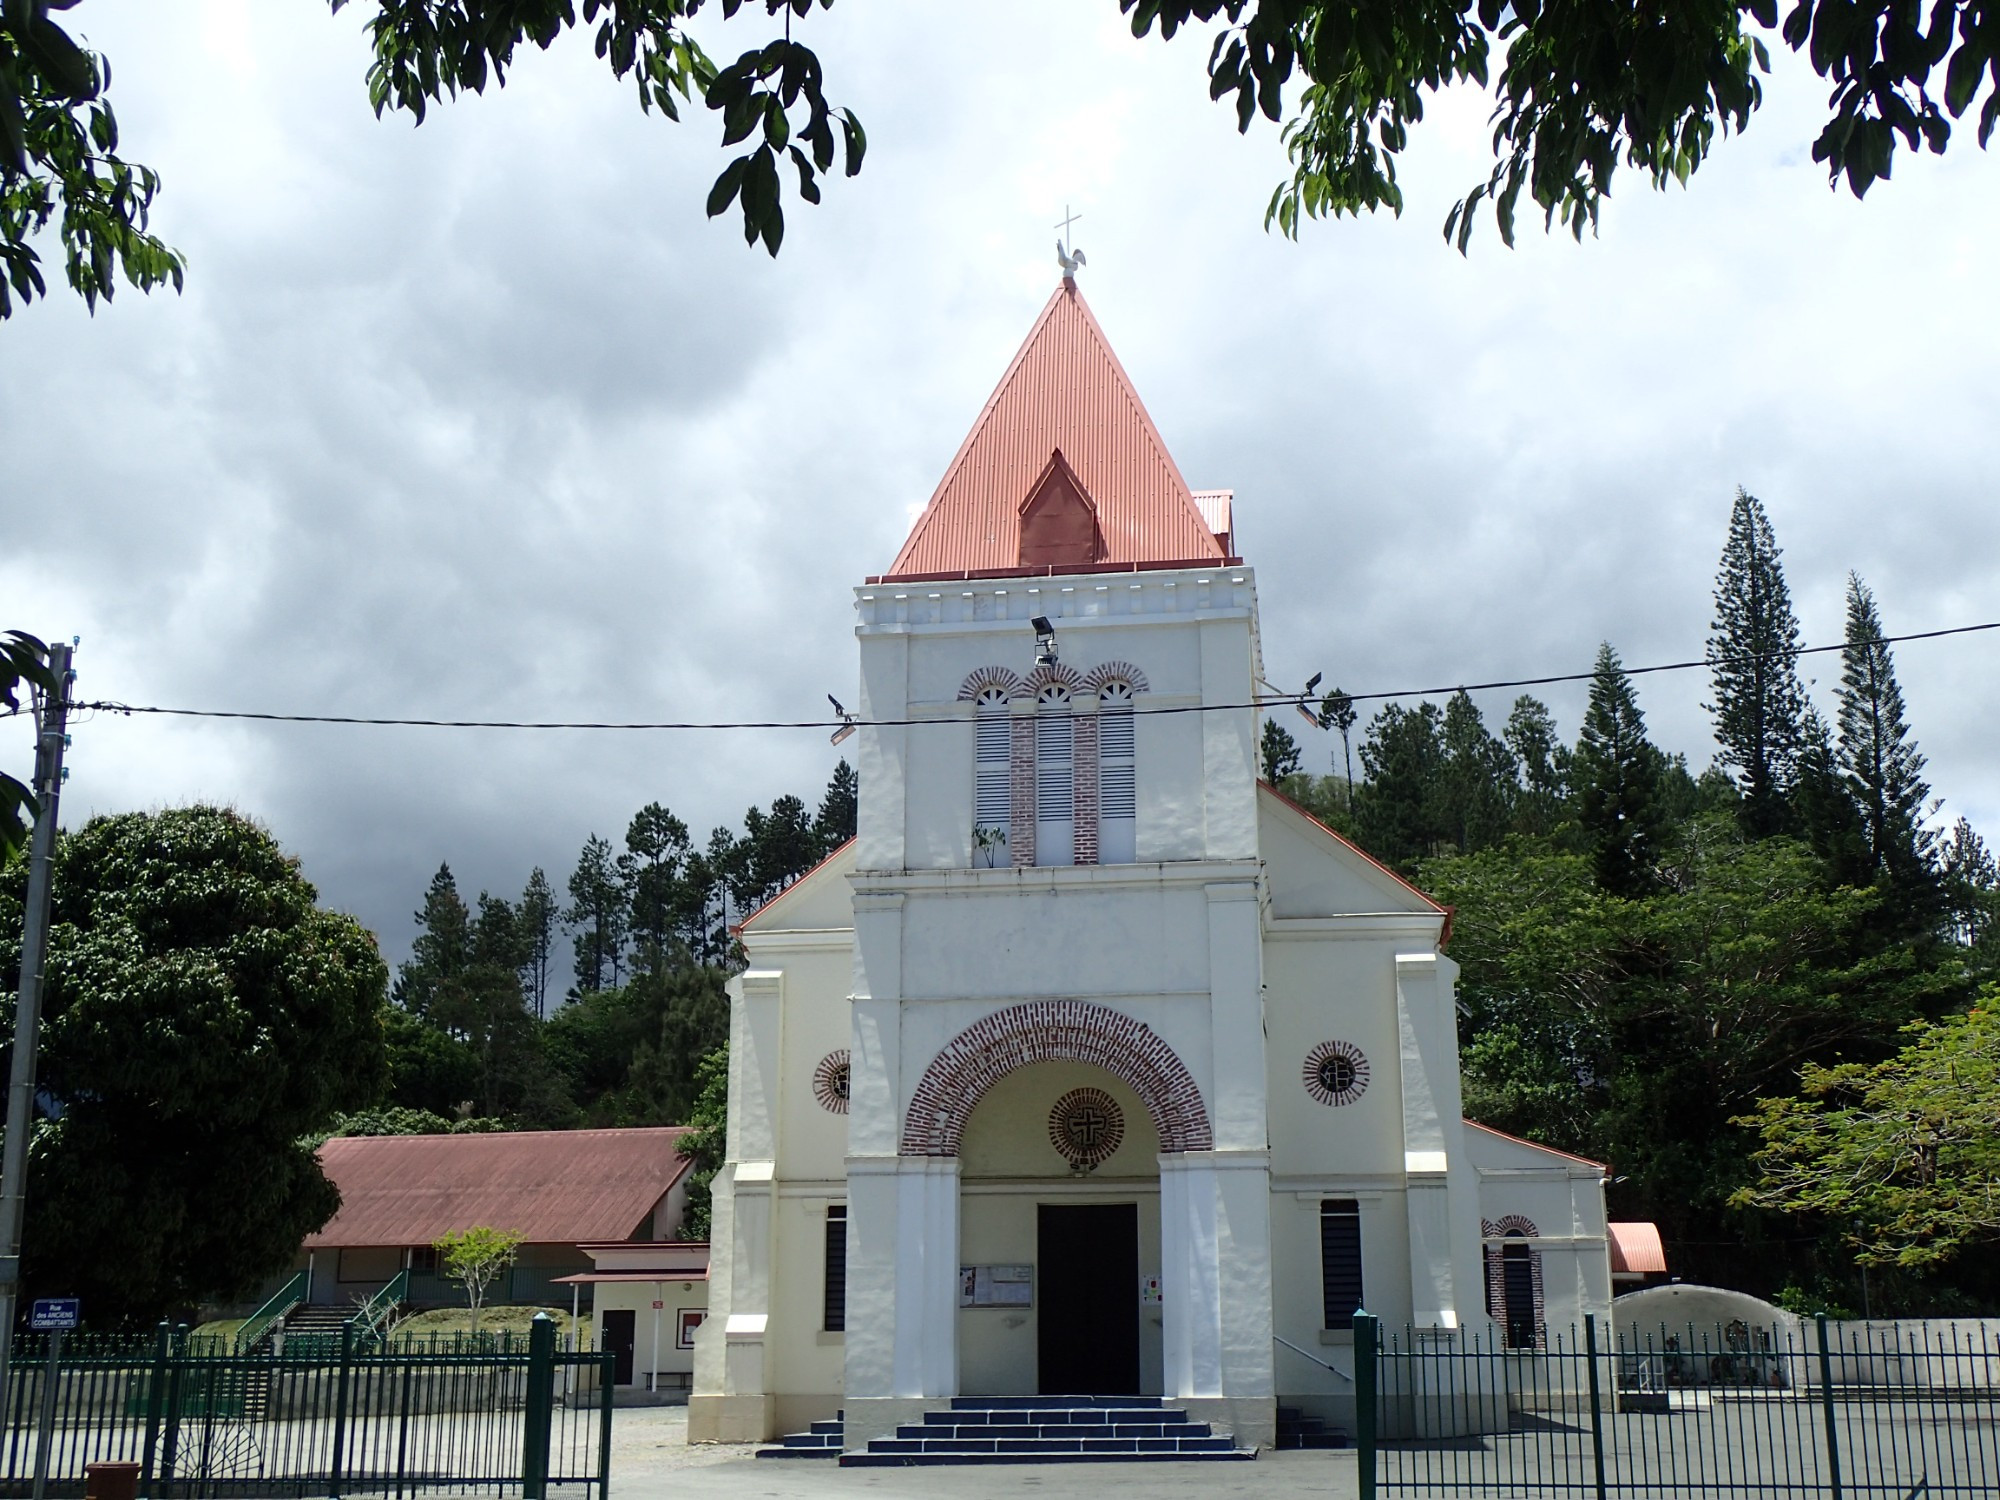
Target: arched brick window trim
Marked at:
1054, 1031
1058, 675
1116, 671
1512, 1226
1007, 680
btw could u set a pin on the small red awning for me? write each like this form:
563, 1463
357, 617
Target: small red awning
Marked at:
588, 1278
1636, 1250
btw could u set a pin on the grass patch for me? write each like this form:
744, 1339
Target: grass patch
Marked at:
219, 1335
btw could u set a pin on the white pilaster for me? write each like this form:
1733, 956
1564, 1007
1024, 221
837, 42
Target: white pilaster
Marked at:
1443, 1187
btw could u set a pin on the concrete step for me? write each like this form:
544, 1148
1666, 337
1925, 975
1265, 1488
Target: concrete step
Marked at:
1056, 1430
874, 1460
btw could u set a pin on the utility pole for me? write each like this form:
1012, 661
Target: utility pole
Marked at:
51, 740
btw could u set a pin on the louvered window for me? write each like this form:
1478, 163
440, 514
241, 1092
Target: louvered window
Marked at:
1340, 1260
1117, 781
1055, 810
836, 1268
992, 793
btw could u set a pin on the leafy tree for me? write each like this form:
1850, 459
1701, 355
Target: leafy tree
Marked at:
204, 1016
1278, 753
428, 1069
1883, 770
1580, 88
834, 823
1901, 1157
475, 1258
1760, 703
59, 156
1636, 1027
597, 915
23, 659
1544, 764
706, 1143
539, 915
1616, 776
1396, 806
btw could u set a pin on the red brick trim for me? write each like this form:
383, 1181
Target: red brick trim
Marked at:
977, 682
1021, 771
1054, 1031
1496, 1275
1058, 675
1083, 788
1116, 671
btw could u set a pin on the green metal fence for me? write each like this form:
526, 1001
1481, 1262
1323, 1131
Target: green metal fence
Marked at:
1830, 1409
509, 1417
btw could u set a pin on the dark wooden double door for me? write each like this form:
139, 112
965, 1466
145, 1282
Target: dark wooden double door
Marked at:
1087, 1267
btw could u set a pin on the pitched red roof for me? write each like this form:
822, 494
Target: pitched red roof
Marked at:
1064, 393
550, 1186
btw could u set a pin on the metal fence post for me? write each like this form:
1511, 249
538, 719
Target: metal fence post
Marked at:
540, 1414
177, 1373
340, 1409
1826, 1402
1365, 1327
607, 1374
1596, 1404
156, 1400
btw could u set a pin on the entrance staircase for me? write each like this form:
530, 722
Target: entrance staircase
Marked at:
1030, 1430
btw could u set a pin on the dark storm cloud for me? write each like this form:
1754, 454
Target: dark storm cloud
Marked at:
484, 419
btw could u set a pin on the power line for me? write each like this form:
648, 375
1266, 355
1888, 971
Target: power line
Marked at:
1189, 708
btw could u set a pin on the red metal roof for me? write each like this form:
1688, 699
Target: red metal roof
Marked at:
555, 1187
1636, 1249
1065, 392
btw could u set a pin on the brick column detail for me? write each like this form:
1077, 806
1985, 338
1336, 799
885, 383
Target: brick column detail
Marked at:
1083, 786
1021, 761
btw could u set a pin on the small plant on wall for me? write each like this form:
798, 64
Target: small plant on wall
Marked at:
987, 844
474, 1258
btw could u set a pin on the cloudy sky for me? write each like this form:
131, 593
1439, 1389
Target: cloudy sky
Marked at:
484, 419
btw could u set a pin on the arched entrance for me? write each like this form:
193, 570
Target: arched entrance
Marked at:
1058, 1115
1054, 1031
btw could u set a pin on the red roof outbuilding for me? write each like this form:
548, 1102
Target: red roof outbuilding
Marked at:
552, 1187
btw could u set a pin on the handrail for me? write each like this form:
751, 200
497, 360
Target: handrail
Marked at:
372, 1318
1334, 1369
282, 1301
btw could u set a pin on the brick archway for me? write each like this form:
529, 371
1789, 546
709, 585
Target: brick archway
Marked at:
1054, 1031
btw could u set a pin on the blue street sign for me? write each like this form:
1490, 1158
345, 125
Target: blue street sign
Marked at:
51, 1313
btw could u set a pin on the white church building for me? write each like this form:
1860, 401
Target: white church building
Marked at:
1093, 1066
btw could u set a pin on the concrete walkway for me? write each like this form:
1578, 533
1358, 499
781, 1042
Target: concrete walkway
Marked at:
650, 1460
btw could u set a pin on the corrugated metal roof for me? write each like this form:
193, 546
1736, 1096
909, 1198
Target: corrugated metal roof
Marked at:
1215, 506
1636, 1249
550, 1186
1065, 392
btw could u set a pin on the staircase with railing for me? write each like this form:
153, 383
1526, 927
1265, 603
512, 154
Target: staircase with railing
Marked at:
257, 1328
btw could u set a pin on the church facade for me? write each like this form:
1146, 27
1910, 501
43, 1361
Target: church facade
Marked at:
1093, 1065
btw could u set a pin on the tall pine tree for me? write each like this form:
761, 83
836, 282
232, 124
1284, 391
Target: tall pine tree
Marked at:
1616, 776
1543, 761
834, 824
1477, 802
1879, 759
539, 915
1759, 702
442, 951
597, 915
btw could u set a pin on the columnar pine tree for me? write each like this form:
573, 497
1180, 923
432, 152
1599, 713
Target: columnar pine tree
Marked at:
834, 824
1616, 776
1337, 709
442, 950
1279, 752
1543, 762
1479, 778
1883, 770
597, 915
1396, 807
656, 851
1759, 703
539, 914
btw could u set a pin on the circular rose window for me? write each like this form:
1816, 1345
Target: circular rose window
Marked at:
1086, 1127
830, 1081
1336, 1072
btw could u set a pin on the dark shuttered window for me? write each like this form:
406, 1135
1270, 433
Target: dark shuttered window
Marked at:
1340, 1260
836, 1268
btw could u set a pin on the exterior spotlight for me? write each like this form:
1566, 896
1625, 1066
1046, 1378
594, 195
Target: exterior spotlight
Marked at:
1045, 640
1305, 713
847, 721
